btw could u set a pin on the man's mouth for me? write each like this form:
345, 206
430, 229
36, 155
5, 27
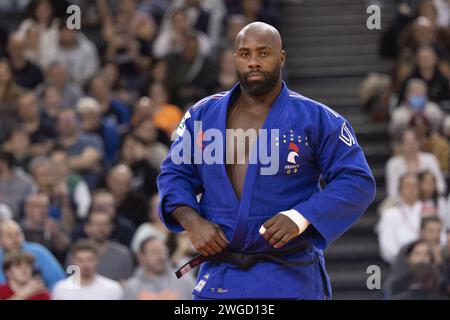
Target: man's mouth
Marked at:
255, 76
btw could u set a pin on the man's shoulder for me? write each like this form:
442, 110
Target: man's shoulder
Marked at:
211, 100
107, 283
119, 248
308, 105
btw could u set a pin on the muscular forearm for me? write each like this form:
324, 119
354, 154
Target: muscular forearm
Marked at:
186, 216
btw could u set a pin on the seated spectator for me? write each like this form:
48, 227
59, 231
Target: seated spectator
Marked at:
400, 224
431, 141
416, 102
21, 283
399, 277
75, 185
92, 122
130, 204
433, 203
111, 108
227, 76
432, 232
38, 227
90, 285
154, 279
76, 52
155, 142
115, 261
258, 10
123, 228
165, 116
19, 145
61, 207
12, 239
411, 160
85, 150
40, 27
9, 93
56, 76
40, 131
190, 72
171, 35
153, 228
52, 104
25, 73
144, 175
424, 284
427, 69
15, 184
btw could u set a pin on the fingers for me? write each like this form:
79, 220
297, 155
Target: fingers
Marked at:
270, 231
270, 222
276, 237
285, 239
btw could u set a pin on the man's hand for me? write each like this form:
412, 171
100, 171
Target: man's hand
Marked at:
206, 237
279, 230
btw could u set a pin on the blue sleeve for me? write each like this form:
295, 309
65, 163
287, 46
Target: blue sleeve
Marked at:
350, 185
50, 269
179, 183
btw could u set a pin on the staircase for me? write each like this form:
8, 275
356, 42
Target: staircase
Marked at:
329, 52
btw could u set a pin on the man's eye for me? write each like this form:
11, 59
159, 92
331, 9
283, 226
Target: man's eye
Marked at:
264, 54
243, 55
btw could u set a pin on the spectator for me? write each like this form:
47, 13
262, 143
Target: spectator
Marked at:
123, 228
15, 185
69, 180
52, 104
433, 203
259, 10
433, 234
115, 260
171, 35
153, 228
41, 132
56, 76
431, 141
427, 69
424, 284
165, 116
25, 73
446, 265
443, 12
144, 175
92, 122
9, 93
90, 285
85, 150
227, 76
190, 72
416, 102
399, 277
234, 24
155, 279
21, 283
38, 227
400, 224
130, 204
61, 208
110, 107
19, 145
411, 160
155, 142
40, 28
76, 52
12, 239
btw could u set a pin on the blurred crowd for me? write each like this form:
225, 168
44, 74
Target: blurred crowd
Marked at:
414, 218
86, 117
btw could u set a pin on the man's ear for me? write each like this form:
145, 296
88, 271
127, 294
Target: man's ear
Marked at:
282, 58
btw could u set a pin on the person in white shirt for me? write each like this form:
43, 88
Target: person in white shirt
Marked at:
411, 160
433, 202
400, 225
85, 283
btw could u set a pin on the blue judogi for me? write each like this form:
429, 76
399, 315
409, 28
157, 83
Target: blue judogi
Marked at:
313, 142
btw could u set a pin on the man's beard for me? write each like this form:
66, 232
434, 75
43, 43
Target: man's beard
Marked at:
259, 87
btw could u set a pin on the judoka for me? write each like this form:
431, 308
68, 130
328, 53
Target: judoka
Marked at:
262, 235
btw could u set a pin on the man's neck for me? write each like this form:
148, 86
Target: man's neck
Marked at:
266, 100
16, 286
85, 281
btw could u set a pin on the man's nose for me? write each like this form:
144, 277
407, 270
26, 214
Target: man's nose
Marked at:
253, 62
